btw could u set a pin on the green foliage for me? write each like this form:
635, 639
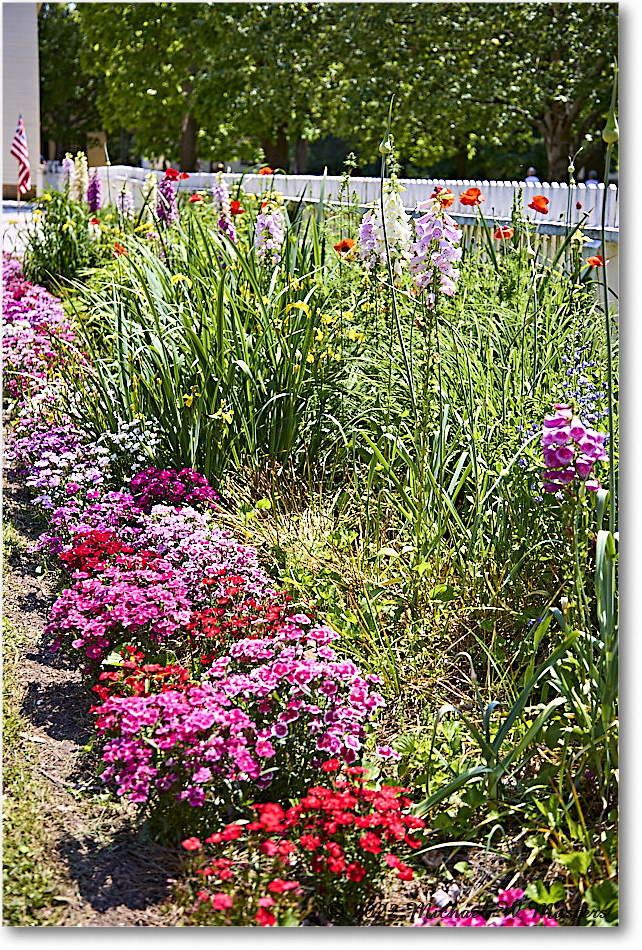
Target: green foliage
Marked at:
68, 92
222, 356
466, 77
58, 245
28, 882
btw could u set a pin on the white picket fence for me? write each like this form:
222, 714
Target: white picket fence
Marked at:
567, 204
499, 195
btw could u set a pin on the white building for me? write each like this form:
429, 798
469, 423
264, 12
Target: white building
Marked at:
20, 89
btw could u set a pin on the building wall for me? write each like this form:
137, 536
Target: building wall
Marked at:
20, 86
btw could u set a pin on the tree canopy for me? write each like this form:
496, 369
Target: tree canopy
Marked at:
231, 79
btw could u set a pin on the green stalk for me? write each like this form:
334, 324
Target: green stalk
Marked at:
610, 136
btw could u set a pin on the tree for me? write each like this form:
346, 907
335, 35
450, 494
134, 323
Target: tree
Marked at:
468, 74
239, 76
150, 55
68, 93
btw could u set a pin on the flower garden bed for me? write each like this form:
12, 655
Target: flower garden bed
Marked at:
244, 697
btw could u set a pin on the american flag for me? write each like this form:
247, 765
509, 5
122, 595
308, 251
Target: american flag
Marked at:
19, 151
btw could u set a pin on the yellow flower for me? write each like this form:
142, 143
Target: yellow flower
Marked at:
108, 217
177, 277
67, 224
37, 213
318, 336
354, 336
188, 400
310, 358
266, 300
45, 197
298, 305
13, 221
224, 413
348, 314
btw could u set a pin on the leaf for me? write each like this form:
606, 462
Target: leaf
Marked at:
405, 744
577, 862
538, 893
443, 593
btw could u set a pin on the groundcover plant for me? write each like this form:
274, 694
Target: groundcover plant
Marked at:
330, 497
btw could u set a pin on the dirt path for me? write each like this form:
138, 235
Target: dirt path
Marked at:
106, 873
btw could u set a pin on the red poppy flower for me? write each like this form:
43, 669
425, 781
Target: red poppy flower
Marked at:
119, 249
503, 234
444, 195
472, 197
595, 261
94, 221
183, 175
539, 203
266, 170
579, 205
196, 197
172, 174
235, 207
343, 248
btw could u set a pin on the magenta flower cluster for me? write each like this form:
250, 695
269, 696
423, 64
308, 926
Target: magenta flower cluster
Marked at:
132, 598
525, 917
435, 251
273, 706
155, 487
94, 193
167, 208
570, 449
35, 329
256, 716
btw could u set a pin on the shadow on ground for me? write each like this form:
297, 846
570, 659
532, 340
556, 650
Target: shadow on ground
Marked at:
124, 873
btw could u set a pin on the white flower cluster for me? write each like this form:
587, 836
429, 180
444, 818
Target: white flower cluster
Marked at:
79, 178
150, 195
372, 242
135, 443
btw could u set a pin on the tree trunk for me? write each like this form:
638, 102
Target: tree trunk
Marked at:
301, 157
557, 131
276, 153
189, 128
462, 159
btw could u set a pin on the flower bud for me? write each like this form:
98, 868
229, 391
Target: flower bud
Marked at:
386, 147
611, 131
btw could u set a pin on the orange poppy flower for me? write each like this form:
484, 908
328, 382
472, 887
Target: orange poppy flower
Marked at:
504, 234
196, 197
472, 197
266, 170
444, 196
119, 249
539, 203
235, 207
344, 246
595, 261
